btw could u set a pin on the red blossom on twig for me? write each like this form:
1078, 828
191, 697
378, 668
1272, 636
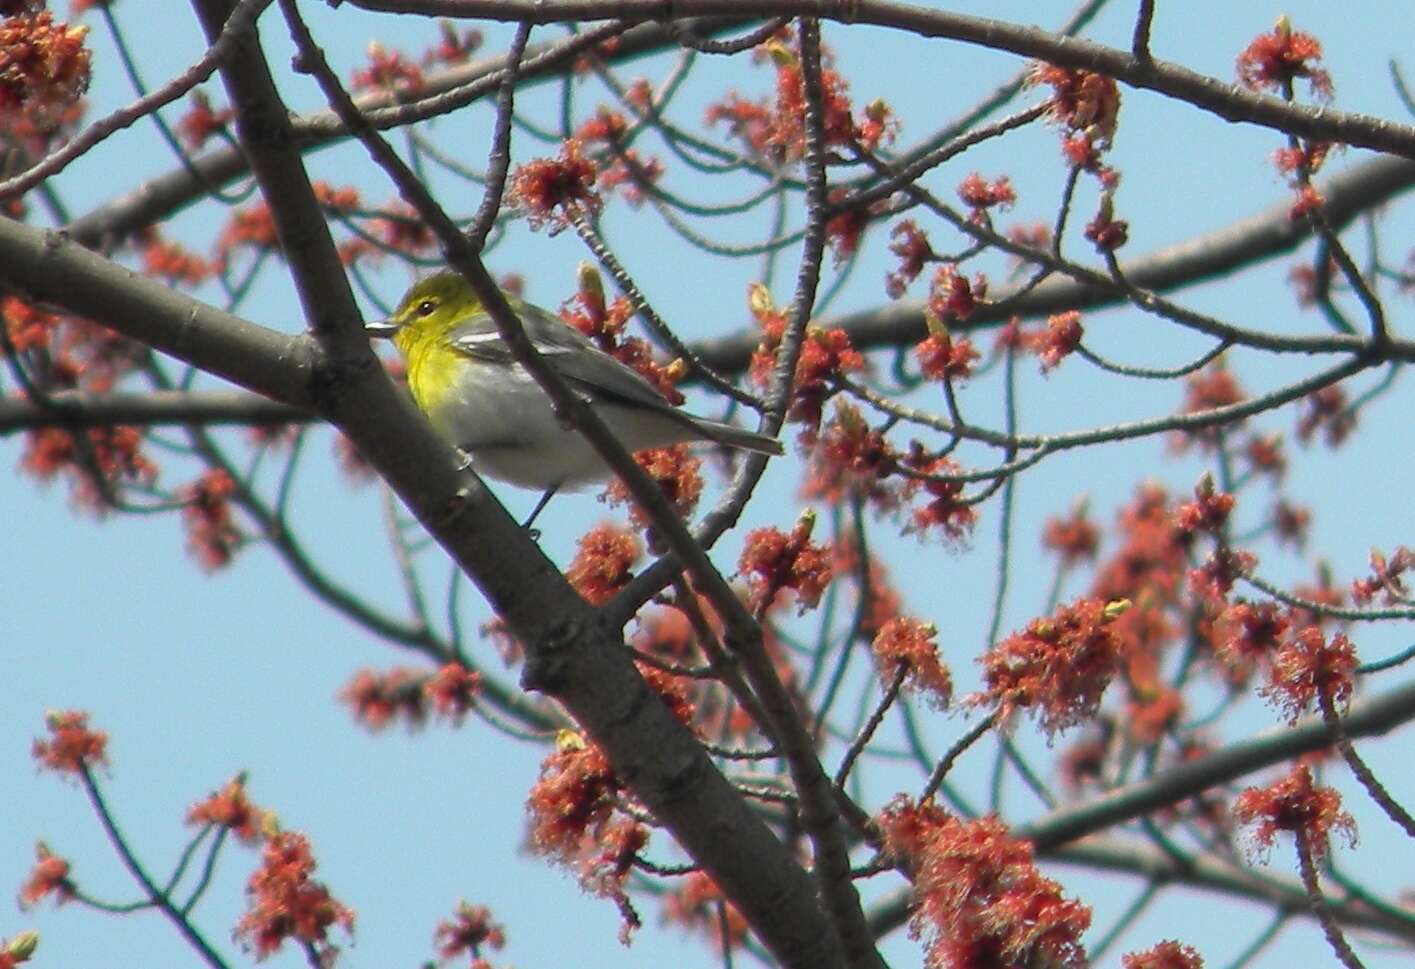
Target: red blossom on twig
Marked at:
49, 876
978, 898
72, 747
907, 646
469, 929
1058, 667
1274, 60
1294, 803
772, 561
286, 903
554, 191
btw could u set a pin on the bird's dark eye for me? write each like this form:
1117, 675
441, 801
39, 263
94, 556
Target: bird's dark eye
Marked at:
426, 307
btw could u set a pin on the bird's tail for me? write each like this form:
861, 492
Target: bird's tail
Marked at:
729, 436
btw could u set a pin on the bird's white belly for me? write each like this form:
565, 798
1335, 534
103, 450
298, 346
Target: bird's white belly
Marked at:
511, 433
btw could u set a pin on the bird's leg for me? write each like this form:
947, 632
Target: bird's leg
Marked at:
544, 500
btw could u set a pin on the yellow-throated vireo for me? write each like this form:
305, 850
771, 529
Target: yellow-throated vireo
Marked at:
464, 377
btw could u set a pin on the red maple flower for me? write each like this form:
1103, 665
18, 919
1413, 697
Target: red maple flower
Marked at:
44, 69
554, 190
980, 195
49, 876
453, 690
286, 903
772, 561
202, 121
1165, 955
576, 792
946, 508
377, 699
1058, 667
911, 245
1246, 637
467, 931
1274, 60
1075, 538
952, 296
603, 563
850, 458
72, 747
1307, 667
1295, 803
1059, 340
978, 899
698, 903
388, 71
907, 646
212, 535
1209, 510
943, 358
676, 471
230, 808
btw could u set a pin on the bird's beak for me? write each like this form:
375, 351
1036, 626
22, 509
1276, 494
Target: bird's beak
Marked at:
381, 329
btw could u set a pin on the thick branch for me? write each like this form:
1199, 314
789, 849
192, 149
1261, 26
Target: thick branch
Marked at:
1228, 101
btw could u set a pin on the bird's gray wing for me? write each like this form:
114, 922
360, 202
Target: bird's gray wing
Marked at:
581, 364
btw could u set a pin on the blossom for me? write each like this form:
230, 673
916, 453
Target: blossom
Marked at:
1308, 666
555, 190
1274, 60
378, 699
230, 808
980, 195
773, 560
453, 690
696, 903
212, 535
906, 646
1059, 667
49, 876
44, 69
1059, 340
72, 747
202, 121
1164, 955
1075, 538
467, 931
603, 563
1295, 803
284, 902
387, 71
911, 245
576, 791
978, 898
676, 471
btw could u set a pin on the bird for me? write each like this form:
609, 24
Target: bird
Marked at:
469, 385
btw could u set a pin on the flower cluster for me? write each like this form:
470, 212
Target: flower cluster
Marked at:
1273, 61
44, 69
212, 535
906, 647
72, 747
979, 899
603, 563
467, 932
1296, 804
229, 808
49, 876
772, 561
1058, 667
554, 191
285, 902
